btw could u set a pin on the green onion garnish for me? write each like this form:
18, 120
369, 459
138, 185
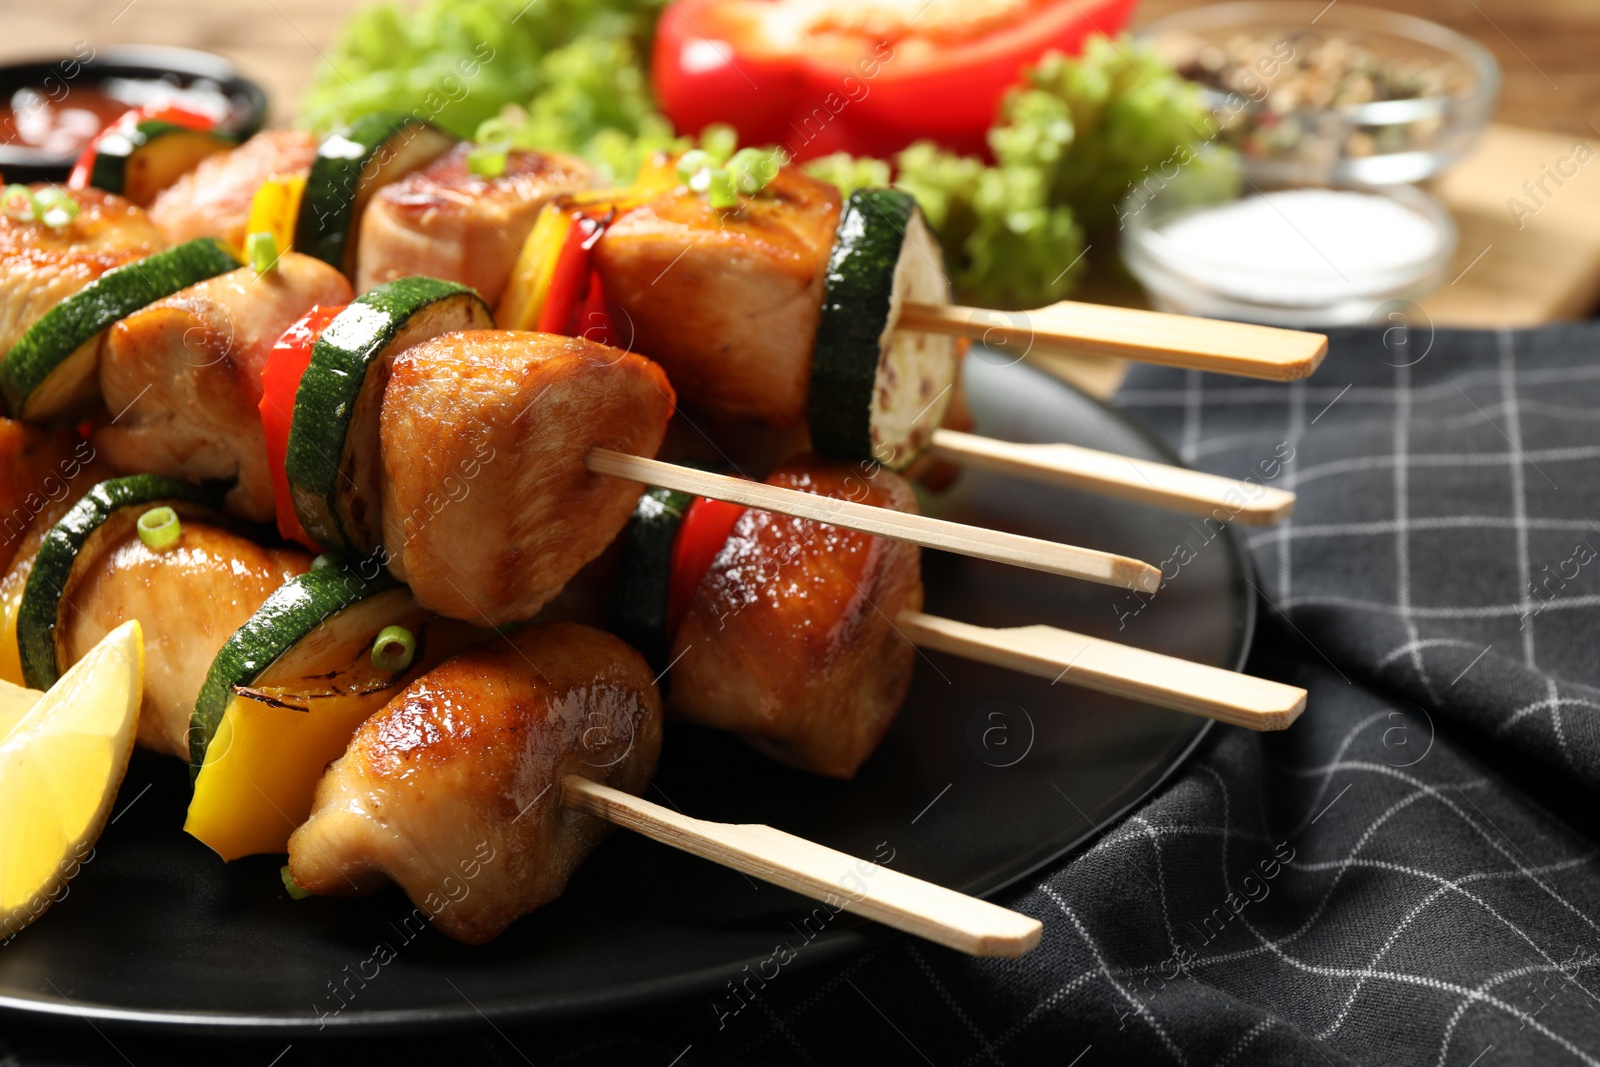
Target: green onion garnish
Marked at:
54, 207
691, 163
487, 160
50, 205
17, 202
752, 170
292, 886
261, 249
488, 157
721, 191
719, 141
159, 528
394, 649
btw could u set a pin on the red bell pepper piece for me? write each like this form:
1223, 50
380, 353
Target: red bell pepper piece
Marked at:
782, 74
280, 381
705, 528
575, 304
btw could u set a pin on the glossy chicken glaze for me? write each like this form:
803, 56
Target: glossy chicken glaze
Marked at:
37, 467
185, 374
213, 200
190, 599
443, 221
488, 508
453, 790
790, 640
726, 301
40, 265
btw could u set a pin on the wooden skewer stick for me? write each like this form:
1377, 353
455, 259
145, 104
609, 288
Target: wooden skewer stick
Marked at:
1177, 488
953, 919
1147, 336
1105, 666
1048, 556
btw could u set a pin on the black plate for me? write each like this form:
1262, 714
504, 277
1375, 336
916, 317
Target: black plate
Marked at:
986, 776
183, 67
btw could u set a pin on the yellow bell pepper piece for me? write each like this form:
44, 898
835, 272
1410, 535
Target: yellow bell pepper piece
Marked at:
275, 209
263, 765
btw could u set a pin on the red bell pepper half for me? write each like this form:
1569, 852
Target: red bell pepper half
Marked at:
280, 381
822, 78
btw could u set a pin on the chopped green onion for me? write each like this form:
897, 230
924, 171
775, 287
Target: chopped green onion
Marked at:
753, 169
394, 649
292, 886
159, 528
721, 191
17, 201
261, 249
488, 157
719, 141
54, 207
488, 160
693, 162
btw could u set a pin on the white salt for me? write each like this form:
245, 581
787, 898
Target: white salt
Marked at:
1302, 246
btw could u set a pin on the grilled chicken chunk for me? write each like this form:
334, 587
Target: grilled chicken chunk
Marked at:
213, 200
190, 598
487, 506
790, 640
79, 473
40, 265
443, 221
726, 302
37, 467
453, 790
184, 375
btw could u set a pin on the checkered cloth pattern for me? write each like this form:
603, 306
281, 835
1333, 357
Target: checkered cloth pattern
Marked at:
1408, 876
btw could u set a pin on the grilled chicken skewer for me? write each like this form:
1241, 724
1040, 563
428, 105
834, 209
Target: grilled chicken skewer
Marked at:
794, 309
709, 591
495, 770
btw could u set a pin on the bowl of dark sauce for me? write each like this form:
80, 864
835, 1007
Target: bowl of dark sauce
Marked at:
50, 109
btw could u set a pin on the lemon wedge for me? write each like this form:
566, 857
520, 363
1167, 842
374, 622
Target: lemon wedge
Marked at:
15, 702
60, 766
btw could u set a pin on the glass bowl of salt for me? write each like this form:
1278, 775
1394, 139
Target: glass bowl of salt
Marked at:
1326, 255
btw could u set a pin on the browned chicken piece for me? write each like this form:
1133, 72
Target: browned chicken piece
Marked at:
184, 375
790, 640
190, 599
443, 221
488, 508
727, 302
213, 200
82, 471
453, 790
40, 265
37, 467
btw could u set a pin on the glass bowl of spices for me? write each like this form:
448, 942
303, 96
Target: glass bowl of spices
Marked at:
1301, 256
1318, 92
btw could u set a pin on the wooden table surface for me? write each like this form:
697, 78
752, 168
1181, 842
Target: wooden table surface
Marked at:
1547, 48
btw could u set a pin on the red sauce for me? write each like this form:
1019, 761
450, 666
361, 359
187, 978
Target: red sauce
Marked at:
62, 123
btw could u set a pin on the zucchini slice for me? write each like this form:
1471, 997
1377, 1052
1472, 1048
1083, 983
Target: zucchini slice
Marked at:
639, 608
351, 165
105, 515
875, 393
140, 159
283, 697
52, 369
333, 461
